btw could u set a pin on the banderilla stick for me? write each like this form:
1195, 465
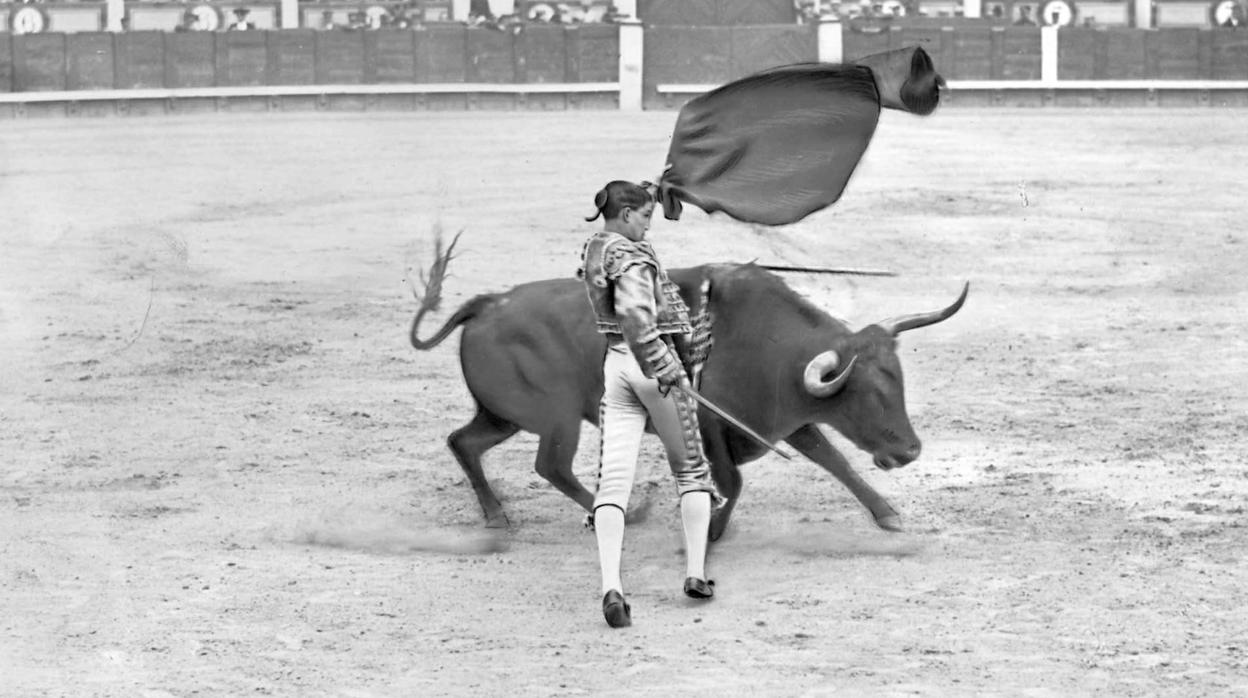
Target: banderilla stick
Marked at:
688, 389
827, 270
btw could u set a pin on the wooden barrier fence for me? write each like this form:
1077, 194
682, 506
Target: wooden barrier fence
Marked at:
604, 66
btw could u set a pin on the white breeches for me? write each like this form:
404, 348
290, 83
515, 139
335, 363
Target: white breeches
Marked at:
629, 398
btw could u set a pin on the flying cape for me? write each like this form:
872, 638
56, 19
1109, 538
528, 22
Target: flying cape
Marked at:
776, 146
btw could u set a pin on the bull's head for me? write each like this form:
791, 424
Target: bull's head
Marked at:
863, 397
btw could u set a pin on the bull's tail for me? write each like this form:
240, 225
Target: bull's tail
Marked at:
432, 297
466, 312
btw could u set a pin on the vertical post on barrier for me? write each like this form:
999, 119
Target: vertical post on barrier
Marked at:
1048, 53
114, 11
290, 14
831, 43
1143, 14
632, 52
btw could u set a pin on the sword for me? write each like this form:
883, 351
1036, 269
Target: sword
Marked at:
688, 389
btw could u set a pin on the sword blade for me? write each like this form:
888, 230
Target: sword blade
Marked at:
719, 411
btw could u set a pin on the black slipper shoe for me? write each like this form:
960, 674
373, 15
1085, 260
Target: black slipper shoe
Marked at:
617, 612
699, 588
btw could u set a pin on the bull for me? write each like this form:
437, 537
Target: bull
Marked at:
532, 360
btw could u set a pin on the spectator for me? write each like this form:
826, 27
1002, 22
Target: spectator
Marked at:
327, 20
240, 20
1234, 18
357, 20
189, 22
1024, 17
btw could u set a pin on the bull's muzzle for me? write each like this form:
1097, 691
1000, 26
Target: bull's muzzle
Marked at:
888, 461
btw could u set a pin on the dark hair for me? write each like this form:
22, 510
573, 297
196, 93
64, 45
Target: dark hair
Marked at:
617, 196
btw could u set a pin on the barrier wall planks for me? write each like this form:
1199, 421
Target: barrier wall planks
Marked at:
542, 54
140, 59
972, 55
758, 48
242, 58
292, 57
1176, 53
491, 56
389, 56
1229, 54
1126, 55
339, 58
1078, 55
857, 41
189, 60
89, 61
38, 62
440, 54
6, 62
1020, 54
593, 54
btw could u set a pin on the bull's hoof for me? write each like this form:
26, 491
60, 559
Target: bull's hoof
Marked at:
718, 526
720, 514
890, 523
498, 520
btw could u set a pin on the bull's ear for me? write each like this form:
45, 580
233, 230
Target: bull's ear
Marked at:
826, 363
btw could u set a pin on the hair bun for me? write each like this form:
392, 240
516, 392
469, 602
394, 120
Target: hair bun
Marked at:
600, 199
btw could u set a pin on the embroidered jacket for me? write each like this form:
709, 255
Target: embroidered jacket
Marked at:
629, 291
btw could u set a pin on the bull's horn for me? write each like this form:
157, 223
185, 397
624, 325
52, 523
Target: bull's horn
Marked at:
901, 323
822, 365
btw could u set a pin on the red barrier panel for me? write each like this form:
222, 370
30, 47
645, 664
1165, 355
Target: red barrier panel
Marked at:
492, 57
1229, 54
6, 63
593, 54
972, 55
89, 61
140, 61
688, 54
1125, 54
339, 58
1174, 53
1079, 54
242, 59
858, 41
1020, 53
441, 53
758, 48
389, 56
38, 62
292, 57
189, 59
542, 54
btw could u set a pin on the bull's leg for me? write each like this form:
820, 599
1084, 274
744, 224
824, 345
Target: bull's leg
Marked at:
727, 480
555, 452
468, 443
815, 446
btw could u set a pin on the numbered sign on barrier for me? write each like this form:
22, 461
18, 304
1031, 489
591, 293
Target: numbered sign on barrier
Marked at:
1227, 13
1059, 13
207, 18
28, 19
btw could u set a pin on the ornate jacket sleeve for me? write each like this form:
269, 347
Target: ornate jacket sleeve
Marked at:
635, 306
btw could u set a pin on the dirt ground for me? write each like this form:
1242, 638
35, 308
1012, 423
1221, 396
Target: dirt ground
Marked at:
224, 469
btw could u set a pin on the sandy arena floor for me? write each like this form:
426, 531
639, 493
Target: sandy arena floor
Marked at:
224, 469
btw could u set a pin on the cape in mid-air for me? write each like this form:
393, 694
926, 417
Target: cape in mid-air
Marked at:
776, 146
